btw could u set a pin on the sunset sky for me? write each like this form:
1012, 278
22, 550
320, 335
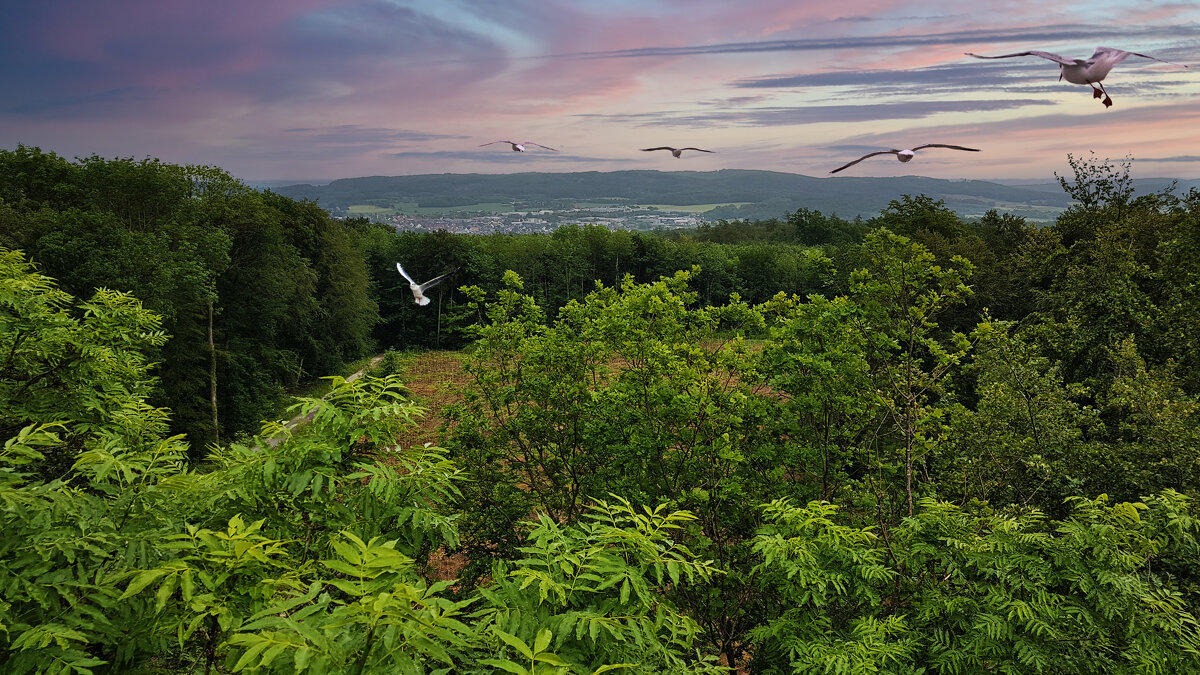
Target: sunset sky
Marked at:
322, 89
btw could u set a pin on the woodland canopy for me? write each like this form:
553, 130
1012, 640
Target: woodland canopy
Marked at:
904, 445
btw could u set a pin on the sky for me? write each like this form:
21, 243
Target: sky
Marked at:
312, 90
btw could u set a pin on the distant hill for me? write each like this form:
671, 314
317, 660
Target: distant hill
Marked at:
760, 194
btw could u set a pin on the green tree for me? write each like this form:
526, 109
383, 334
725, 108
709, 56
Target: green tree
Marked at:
1156, 430
915, 217
301, 553
1101, 191
816, 361
954, 590
257, 291
901, 293
65, 359
632, 391
1024, 440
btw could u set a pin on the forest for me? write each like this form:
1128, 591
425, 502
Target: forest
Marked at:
903, 444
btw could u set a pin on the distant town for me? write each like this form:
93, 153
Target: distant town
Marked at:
650, 200
541, 221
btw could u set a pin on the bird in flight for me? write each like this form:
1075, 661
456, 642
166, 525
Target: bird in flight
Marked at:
1085, 71
418, 290
904, 155
519, 147
675, 151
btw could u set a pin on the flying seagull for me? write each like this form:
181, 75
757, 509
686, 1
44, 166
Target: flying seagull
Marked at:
904, 155
418, 290
519, 147
675, 151
1090, 71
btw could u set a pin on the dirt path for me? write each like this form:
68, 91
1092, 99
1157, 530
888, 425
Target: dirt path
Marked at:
301, 419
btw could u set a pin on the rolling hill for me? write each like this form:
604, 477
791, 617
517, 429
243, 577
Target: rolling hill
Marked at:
762, 194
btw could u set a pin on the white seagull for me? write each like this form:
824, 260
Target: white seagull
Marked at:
519, 147
904, 155
675, 151
418, 290
1085, 71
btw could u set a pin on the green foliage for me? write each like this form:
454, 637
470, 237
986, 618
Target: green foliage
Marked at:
1023, 441
829, 581
817, 362
633, 391
1099, 190
920, 215
619, 486
257, 291
599, 595
901, 292
814, 228
78, 363
301, 553
957, 591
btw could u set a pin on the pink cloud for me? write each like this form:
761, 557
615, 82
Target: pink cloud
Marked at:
221, 81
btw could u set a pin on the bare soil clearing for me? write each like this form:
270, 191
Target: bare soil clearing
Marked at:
435, 380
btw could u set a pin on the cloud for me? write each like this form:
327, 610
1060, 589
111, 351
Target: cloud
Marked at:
777, 116
346, 141
1018, 85
345, 87
355, 135
851, 147
180, 60
733, 101
1038, 144
1048, 34
1176, 158
507, 157
970, 75
125, 98
945, 76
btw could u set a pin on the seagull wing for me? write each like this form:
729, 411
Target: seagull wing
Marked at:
437, 280
662, 148
696, 149
943, 145
1108, 57
1045, 55
495, 142
1122, 53
410, 279
869, 154
539, 145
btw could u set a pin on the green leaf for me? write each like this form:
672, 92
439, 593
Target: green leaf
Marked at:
143, 580
612, 666
515, 642
187, 584
251, 654
301, 658
165, 591
673, 570
542, 641
551, 658
506, 665
271, 654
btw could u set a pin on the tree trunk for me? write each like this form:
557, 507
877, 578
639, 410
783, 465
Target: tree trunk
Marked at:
439, 326
210, 648
212, 376
909, 438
